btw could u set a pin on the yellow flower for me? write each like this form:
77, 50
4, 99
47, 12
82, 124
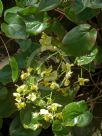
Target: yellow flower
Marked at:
54, 85
46, 115
66, 82
16, 94
45, 40
51, 77
24, 75
34, 87
29, 70
46, 72
82, 81
44, 111
64, 91
22, 88
53, 107
68, 74
21, 105
32, 97
66, 66
59, 115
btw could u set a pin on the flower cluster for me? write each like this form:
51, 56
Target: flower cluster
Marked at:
41, 82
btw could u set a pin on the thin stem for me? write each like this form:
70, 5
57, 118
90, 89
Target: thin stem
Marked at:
5, 47
92, 100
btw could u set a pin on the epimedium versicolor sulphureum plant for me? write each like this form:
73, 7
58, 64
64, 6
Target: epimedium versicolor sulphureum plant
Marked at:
46, 90
54, 37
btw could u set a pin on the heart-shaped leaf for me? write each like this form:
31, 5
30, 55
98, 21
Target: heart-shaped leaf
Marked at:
14, 26
87, 58
25, 3
80, 40
79, 5
29, 119
16, 129
76, 113
85, 15
35, 27
59, 129
46, 5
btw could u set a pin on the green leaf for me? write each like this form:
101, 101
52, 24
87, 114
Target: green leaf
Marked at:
87, 58
16, 129
85, 15
14, 26
79, 41
80, 5
12, 10
29, 119
5, 75
84, 119
14, 68
7, 106
57, 28
63, 100
24, 44
25, 116
37, 23
1, 8
28, 10
59, 129
21, 57
76, 113
25, 3
46, 5
98, 59
35, 27
95, 4
3, 93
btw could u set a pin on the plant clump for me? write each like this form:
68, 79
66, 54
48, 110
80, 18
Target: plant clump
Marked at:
49, 76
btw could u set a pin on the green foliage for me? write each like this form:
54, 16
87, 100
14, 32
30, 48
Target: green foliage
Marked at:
14, 68
3, 93
59, 129
24, 44
76, 113
81, 38
30, 120
25, 3
14, 26
83, 60
46, 5
85, 15
5, 75
7, 106
37, 24
40, 83
16, 129
1, 8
